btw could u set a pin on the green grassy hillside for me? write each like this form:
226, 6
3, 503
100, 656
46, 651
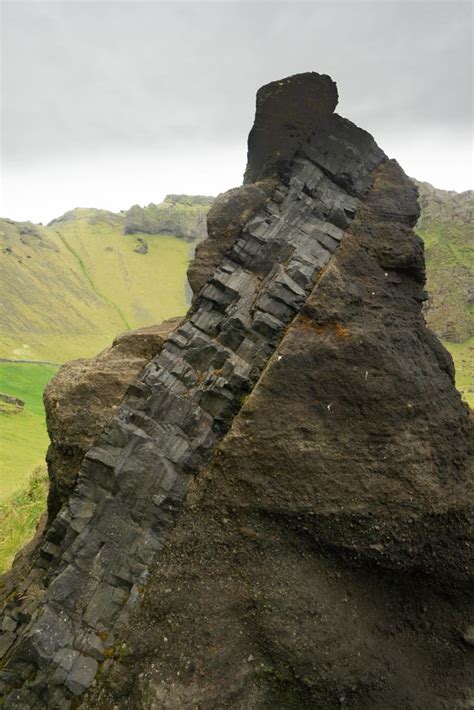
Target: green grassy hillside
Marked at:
23, 436
19, 515
67, 289
445, 226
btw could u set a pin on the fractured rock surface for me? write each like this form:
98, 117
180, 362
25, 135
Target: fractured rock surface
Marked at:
310, 420
82, 397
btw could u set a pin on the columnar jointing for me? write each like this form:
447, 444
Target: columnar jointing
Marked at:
97, 553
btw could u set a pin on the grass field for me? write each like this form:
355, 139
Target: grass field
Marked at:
463, 356
23, 436
19, 515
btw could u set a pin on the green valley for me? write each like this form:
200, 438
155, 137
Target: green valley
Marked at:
69, 288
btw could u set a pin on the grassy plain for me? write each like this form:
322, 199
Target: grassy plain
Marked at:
23, 436
19, 515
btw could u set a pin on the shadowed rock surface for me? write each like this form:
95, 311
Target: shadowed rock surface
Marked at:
278, 513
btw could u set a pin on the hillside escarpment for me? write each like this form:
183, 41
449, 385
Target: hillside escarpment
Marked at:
183, 216
445, 225
277, 514
58, 283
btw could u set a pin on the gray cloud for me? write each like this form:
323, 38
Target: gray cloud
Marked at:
103, 78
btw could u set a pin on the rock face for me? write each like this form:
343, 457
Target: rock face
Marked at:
445, 205
277, 513
81, 399
278, 131
183, 216
10, 404
226, 218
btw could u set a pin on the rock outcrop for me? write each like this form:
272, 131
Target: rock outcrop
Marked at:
445, 205
81, 399
277, 514
10, 404
183, 216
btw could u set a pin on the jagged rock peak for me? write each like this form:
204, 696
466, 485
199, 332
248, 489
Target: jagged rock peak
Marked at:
287, 112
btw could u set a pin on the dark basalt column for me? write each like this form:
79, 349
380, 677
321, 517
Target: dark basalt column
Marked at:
288, 113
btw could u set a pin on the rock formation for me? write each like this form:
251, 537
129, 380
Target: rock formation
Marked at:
81, 399
183, 216
277, 514
10, 404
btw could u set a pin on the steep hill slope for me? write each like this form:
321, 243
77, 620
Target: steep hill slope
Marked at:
68, 289
446, 227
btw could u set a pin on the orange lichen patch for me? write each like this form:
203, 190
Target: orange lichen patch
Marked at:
323, 329
341, 331
321, 272
304, 323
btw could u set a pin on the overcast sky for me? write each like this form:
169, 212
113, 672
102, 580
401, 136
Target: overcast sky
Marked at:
106, 104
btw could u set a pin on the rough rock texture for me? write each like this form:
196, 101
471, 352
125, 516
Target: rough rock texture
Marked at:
445, 205
308, 421
183, 216
81, 399
142, 246
278, 131
10, 404
225, 219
